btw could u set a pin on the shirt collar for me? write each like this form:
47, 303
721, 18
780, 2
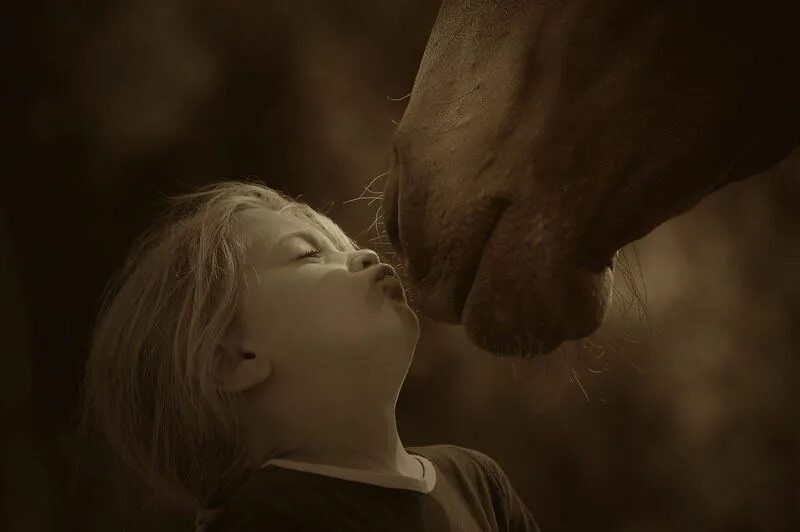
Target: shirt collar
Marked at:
386, 480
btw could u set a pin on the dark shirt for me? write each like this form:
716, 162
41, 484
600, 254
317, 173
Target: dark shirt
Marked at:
471, 493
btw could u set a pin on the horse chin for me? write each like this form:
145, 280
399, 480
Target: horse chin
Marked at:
517, 325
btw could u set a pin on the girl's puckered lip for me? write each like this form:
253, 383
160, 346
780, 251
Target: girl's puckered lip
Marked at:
381, 271
394, 287
385, 275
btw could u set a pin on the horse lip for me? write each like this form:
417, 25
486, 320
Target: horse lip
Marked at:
392, 215
448, 305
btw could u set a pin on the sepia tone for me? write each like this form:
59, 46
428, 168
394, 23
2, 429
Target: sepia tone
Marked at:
678, 413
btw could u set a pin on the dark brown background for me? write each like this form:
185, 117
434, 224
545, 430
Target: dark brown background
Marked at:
686, 420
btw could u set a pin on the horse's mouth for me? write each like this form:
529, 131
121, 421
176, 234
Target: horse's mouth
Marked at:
441, 277
446, 285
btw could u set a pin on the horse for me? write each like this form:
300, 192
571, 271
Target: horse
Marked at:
541, 137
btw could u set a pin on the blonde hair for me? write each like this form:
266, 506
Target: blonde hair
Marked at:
149, 385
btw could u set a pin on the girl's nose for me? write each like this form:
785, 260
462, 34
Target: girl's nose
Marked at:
362, 259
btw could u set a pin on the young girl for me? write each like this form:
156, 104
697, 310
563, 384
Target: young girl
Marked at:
247, 361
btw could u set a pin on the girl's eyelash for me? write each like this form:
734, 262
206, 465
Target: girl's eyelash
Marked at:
310, 253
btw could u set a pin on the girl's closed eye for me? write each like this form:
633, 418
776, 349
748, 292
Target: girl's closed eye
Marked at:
310, 253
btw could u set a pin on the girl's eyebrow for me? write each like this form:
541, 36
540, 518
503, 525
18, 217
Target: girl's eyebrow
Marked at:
308, 236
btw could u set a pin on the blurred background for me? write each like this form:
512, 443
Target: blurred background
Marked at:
680, 414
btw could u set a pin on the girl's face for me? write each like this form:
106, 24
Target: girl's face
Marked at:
322, 317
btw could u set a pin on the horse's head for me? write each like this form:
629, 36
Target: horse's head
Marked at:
541, 137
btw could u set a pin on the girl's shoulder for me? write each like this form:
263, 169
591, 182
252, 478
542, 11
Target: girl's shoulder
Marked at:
454, 455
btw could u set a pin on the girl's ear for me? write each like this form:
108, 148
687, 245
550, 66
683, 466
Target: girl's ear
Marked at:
241, 369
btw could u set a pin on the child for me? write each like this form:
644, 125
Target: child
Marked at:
247, 361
